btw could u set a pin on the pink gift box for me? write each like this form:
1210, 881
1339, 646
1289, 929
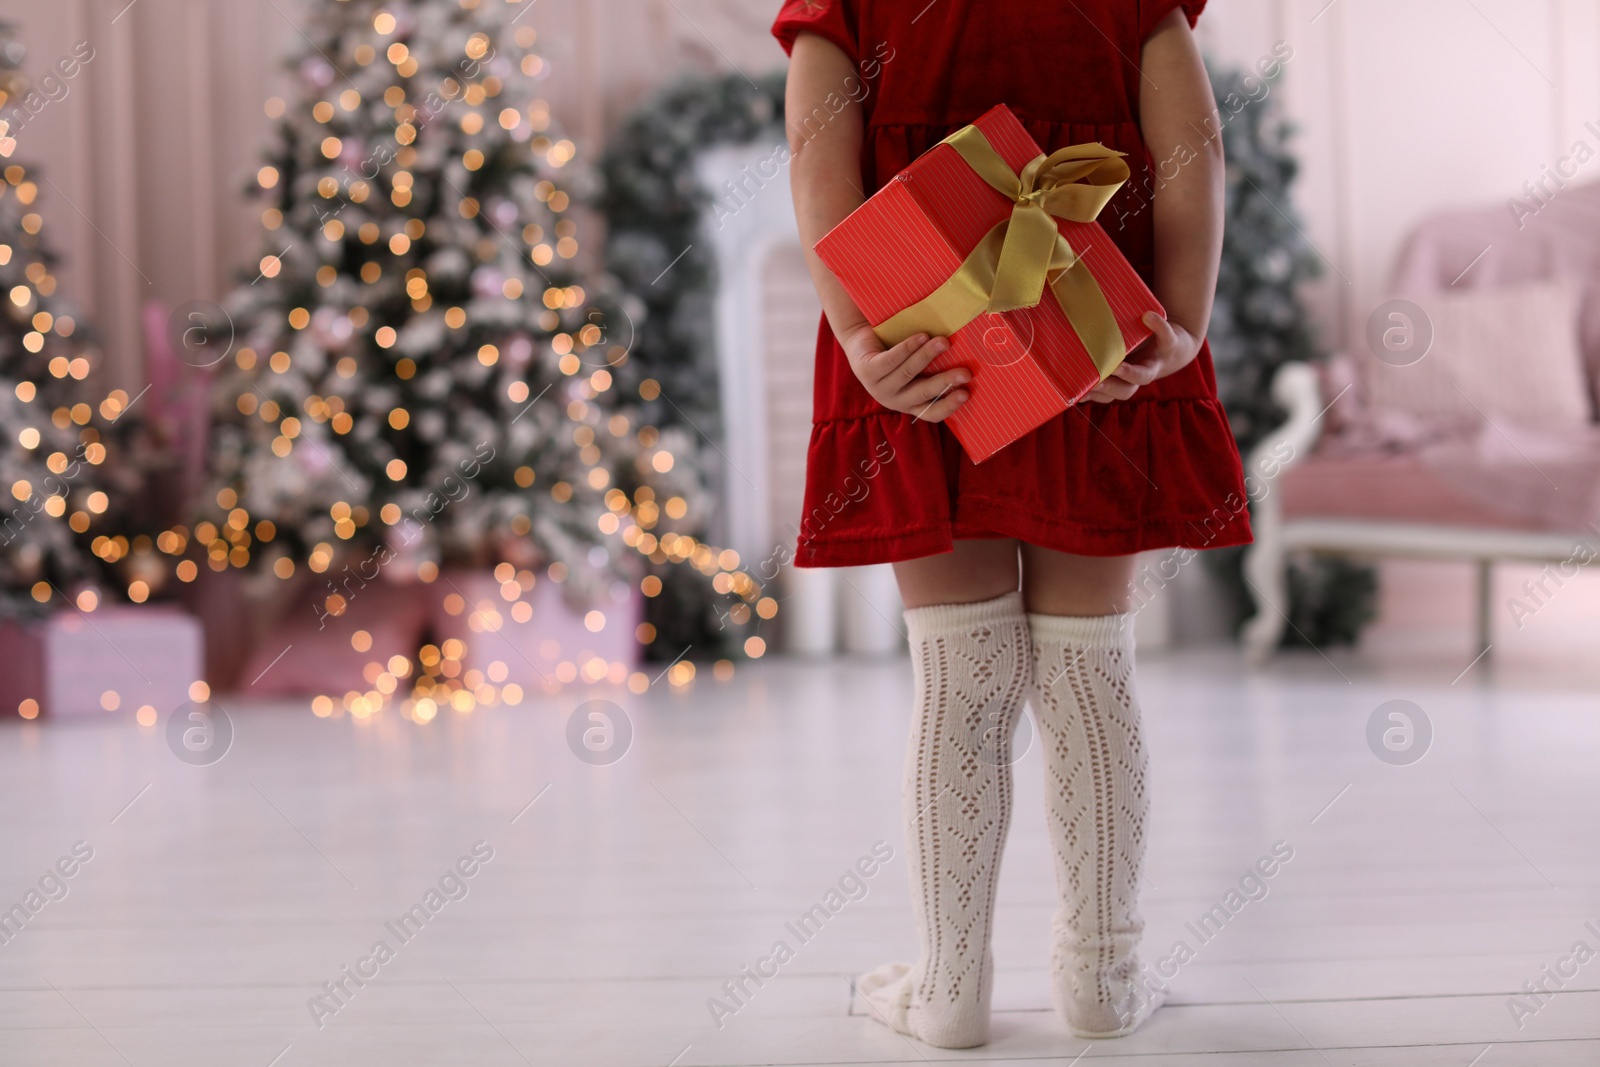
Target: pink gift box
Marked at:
69, 662
308, 653
533, 651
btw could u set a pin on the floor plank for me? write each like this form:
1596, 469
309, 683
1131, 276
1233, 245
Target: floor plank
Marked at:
219, 899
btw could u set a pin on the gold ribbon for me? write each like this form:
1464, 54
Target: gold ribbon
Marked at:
1015, 261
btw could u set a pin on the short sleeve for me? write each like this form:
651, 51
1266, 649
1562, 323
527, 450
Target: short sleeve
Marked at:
830, 19
1151, 12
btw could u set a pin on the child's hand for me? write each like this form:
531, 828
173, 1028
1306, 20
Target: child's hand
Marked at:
1169, 349
894, 375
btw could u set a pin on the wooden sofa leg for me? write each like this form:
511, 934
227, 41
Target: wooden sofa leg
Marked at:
1264, 571
1296, 387
1485, 604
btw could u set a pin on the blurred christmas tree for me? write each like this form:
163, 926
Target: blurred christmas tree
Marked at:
1258, 325
418, 377
59, 426
656, 209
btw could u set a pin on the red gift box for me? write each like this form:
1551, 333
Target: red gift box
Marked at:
1028, 365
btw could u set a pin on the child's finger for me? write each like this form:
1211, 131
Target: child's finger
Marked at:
1111, 389
914, 357
1139, 373
925, 391
862, 356
1161, 328
879, 365
942, 408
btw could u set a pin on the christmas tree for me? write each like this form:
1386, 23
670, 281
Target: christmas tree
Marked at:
1259, 324
60, 426
656, 210
417, 376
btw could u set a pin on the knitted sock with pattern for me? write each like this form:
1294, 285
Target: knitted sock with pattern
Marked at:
1097, 811
972, 665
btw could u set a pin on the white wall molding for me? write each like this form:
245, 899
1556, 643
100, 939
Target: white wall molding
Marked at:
1396, 105
743, 234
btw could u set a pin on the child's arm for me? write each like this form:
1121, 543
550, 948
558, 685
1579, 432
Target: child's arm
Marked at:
826, 180
1178, 114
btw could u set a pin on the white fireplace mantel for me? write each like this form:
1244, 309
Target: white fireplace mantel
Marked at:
854, 608
752, 216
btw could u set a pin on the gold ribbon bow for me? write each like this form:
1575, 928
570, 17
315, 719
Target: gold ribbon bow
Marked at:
1021, 255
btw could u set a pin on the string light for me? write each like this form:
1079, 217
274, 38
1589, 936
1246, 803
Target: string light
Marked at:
416, 330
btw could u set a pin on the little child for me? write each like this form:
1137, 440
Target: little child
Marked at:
1016, 574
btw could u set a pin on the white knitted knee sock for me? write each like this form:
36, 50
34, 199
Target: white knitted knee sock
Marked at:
972, 665
1097, 808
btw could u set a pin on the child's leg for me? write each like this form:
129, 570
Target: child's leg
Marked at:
971, 661
1096, 792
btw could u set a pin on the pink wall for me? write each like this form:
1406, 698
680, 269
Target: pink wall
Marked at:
1403, 108
143, 160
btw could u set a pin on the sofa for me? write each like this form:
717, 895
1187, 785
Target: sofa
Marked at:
1460, 426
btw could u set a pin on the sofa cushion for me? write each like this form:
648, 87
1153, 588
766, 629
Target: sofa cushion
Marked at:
1489, 247
1508, 354
1388, 488
1504, 477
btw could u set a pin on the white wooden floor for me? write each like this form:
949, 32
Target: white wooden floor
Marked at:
1418, 900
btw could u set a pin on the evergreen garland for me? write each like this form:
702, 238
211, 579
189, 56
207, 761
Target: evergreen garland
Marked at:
654, 207
1259, 324
655, 211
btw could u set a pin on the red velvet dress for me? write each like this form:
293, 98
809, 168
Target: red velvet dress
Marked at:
1159, 470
